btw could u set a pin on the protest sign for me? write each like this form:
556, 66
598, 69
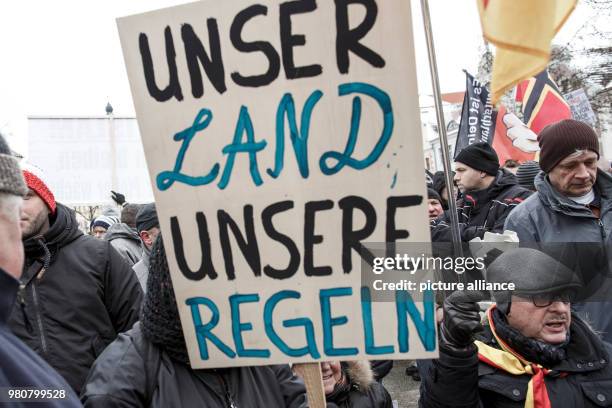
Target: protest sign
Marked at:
279, 137
578, 102
78, 158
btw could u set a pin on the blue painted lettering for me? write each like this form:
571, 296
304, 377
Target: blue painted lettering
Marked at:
311, 345
165, 179
204, 331
329, 322
345, 158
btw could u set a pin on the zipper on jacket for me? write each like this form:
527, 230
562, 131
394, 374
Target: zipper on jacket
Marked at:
22, 305
228, 396
41, 332
602, 229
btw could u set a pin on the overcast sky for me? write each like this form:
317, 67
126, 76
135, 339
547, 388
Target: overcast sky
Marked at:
63, 57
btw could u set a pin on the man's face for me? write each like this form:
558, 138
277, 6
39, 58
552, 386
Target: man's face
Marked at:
98, 232
467, 178
435, 208
575, 175
149, 236
549, 324
11, 246
34, 216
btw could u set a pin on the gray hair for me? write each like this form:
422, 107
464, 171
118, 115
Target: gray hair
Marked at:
576, 153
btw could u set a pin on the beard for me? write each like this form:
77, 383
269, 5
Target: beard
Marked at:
35, 226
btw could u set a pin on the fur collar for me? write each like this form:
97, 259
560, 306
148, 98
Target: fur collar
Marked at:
360, 373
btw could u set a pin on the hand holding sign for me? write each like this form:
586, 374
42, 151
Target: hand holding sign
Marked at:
522, 137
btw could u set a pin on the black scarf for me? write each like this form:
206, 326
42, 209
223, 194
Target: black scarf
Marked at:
159, 315
63, 229
532, 350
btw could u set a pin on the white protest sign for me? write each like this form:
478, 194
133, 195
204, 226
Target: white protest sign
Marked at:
578, 102
78, 160
280, 135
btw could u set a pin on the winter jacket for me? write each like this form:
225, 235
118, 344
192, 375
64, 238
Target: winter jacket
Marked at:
360, 390
77, 293
20, 366
141, 268
381, 368
126, 241
548, 218
133, 372
460, 380
482, 210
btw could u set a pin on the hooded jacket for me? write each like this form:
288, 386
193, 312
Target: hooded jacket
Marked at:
461, 380
76, 295
571, 233
126, 241
360, 390
483, 210
133, 372
21, 367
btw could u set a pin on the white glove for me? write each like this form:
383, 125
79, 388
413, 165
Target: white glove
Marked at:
522, 137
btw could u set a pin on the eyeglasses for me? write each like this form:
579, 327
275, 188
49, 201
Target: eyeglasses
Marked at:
547, 300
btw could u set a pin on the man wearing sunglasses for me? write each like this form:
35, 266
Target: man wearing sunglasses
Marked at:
531, 351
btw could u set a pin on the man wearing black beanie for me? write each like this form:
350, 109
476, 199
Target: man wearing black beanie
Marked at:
488, 194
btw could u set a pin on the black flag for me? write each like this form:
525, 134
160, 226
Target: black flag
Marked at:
477, 116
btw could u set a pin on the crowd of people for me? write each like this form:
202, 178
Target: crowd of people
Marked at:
95, 314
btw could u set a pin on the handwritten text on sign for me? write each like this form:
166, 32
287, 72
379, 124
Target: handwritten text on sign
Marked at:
280, 136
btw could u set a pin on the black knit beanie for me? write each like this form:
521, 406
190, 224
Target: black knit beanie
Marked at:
480, 156
526, 173
159, 315
559, 140
433, 195
439, 181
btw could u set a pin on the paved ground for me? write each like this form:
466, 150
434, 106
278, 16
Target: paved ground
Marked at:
402, 388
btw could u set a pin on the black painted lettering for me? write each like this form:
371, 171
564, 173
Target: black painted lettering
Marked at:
289, 40
348, 40
311, 239
195, 55
248, 244
174, 86
256, 46
206, 267
351, 238
294, 254
392, 234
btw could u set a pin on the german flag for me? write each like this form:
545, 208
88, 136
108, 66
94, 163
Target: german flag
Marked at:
541, 102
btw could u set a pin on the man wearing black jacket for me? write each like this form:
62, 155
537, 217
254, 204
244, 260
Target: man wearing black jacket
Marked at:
532, 351
488, 194
20, 367
76, 294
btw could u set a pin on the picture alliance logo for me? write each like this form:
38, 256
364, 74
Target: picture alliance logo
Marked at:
411, 264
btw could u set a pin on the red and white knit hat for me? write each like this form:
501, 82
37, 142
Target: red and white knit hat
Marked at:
34, 178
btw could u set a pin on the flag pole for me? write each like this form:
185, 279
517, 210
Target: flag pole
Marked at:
435, 83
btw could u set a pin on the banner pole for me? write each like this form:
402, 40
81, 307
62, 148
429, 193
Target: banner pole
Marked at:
311, 374
433, 65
